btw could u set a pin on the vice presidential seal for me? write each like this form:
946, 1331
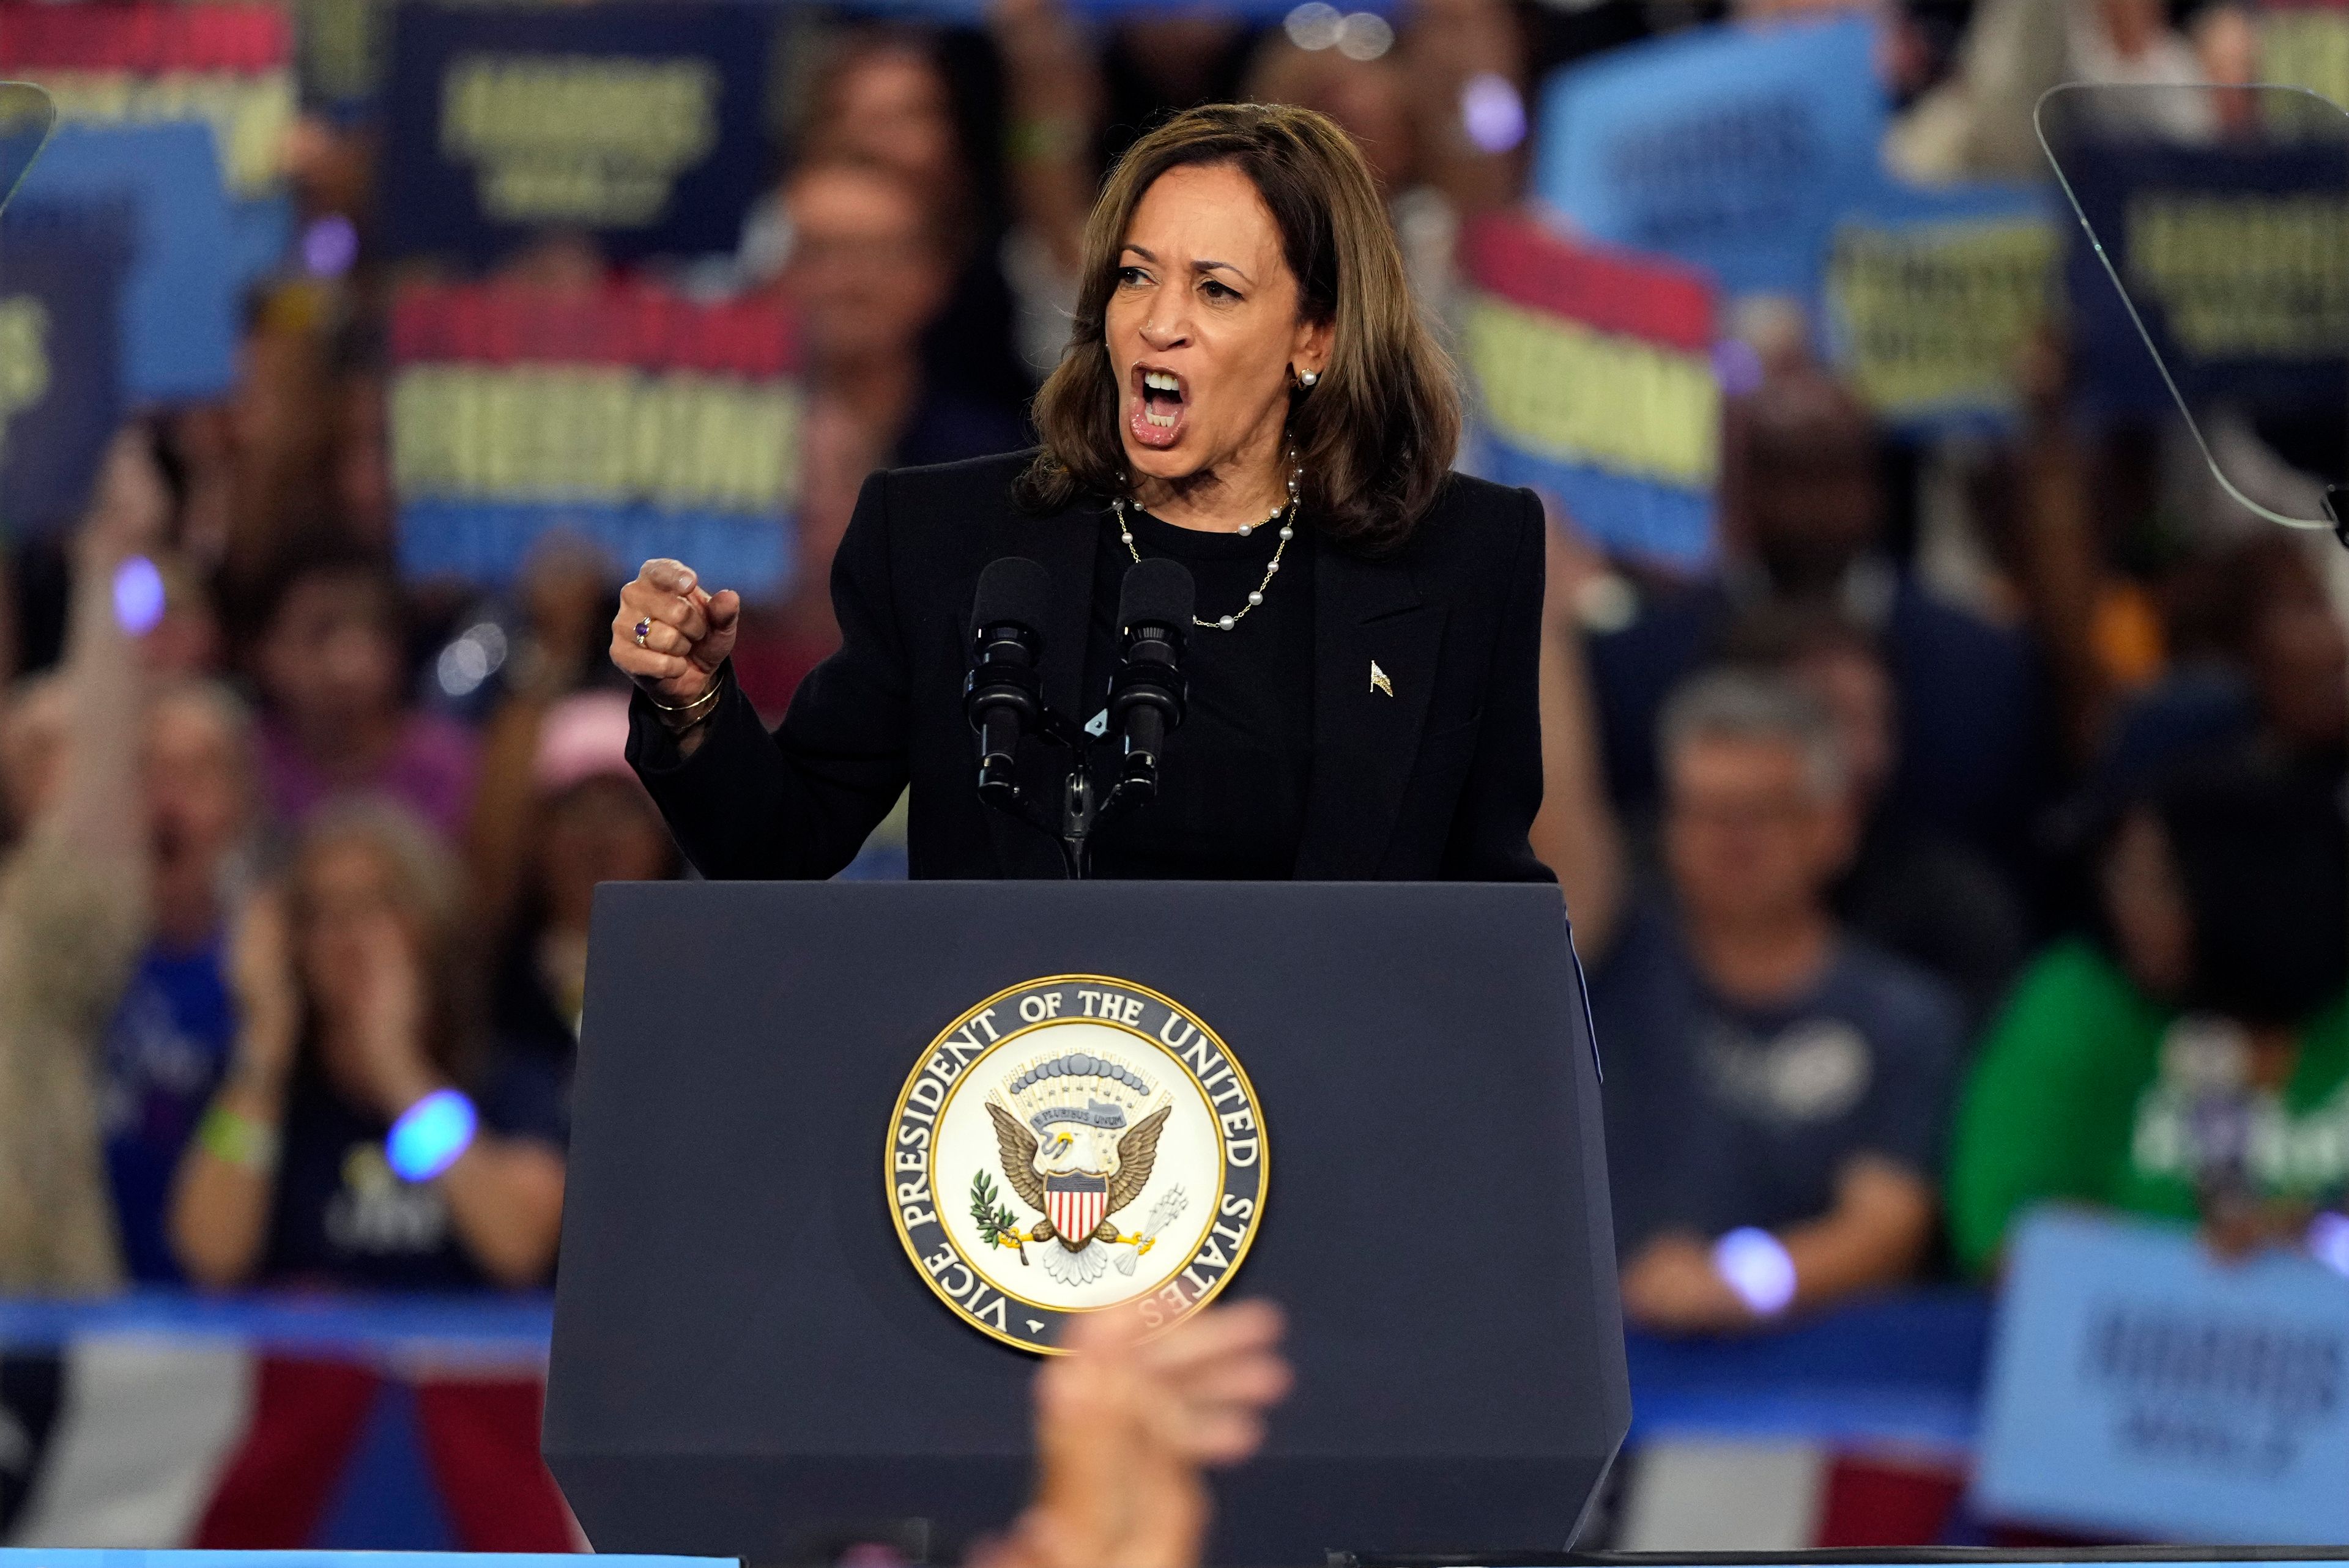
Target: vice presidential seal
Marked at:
1073, 1144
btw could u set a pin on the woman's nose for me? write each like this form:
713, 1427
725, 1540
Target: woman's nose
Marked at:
1163, 332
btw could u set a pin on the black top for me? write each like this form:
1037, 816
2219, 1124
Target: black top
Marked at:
1434, 773
1231, 798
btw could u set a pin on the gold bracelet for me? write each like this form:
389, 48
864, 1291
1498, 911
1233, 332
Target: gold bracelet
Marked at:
697, 707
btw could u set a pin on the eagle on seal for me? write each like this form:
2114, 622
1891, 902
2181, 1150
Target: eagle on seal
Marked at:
1032, 1161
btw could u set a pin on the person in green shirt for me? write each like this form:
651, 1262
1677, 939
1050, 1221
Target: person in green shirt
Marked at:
2190, 1061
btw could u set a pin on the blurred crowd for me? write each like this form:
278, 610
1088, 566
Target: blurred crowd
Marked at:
1970, 835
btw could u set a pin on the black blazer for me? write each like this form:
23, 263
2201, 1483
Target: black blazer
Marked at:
1439, 782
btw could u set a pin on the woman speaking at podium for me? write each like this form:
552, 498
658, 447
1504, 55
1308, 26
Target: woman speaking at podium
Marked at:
1248, 389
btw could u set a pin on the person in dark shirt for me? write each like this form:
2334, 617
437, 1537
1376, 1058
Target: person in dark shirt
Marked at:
342, 1150
1775, 1086
1919, 890
1804, 524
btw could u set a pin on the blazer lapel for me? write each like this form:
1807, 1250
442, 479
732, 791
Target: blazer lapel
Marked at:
1063, 544
1365, 734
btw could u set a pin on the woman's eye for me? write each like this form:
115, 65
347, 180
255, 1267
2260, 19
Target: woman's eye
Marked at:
1215, 290
1128, 276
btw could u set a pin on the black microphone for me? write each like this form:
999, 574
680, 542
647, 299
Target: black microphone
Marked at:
1155, 605
1003, 696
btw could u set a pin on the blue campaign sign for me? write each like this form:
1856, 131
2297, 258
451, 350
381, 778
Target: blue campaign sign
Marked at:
180, 302
1730, 148
641, 121
61, 276
1931, 297
2232, 258
2140, 1386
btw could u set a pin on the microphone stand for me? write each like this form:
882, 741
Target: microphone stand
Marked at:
1082, 808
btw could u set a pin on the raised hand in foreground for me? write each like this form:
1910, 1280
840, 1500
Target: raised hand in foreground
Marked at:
1124, 1428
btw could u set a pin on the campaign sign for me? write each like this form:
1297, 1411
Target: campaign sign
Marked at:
228, 65
1594, 382
632, 419
1731, 148
2140, 1386
637, 122
92, 1557
2304, 44
2237, 259
179, 312
1932, 297
61, 276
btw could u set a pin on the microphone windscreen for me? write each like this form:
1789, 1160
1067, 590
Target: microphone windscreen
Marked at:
1157, 591
1013, 589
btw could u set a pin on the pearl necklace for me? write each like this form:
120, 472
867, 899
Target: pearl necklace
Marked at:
1285, 514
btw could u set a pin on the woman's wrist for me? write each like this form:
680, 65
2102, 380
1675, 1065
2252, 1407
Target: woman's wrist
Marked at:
678, 719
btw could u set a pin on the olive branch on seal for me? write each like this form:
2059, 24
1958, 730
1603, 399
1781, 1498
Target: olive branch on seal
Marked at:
998, 1226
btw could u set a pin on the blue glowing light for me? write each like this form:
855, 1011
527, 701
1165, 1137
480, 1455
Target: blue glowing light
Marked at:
1755, 1264
138, 595
1492, 112
430, 1135
2328, 1242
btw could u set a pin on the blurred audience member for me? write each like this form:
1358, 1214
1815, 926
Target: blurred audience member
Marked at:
565, 598
1979, 122
887, 97
1775, 1086
1919, 893
593, 823
2257, 653
332, 666
2190, 1060
1804, 516
168, 1044
72, 894
342, 1150
867, 275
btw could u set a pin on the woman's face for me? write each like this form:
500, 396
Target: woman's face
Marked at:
351, 912
1203, 327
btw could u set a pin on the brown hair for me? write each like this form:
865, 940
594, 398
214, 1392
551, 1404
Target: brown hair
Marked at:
1376, 437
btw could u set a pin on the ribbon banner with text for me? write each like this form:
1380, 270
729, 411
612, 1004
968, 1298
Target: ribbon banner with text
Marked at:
639, 123
2139, 1386
1730, 148
1933, 297
62, 277
228, 66
632, 419
1594, 383
2234, 257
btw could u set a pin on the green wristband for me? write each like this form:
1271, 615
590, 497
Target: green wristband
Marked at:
238, 1139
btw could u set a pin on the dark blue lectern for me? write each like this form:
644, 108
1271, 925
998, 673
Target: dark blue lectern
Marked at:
748, 1360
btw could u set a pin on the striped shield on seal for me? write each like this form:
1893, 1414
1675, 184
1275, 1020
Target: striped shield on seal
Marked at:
1076, 1204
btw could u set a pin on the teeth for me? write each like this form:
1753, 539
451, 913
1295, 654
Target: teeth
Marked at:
1163, 421
1160, 381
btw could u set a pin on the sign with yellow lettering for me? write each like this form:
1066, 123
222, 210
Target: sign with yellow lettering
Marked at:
636, 122
1933, 298
1594, 382
632, 418
62, 277
2233, 256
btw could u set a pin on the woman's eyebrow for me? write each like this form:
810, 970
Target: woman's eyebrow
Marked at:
1201, 265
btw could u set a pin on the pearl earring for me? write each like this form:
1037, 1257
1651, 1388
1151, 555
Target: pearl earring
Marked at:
1309, 379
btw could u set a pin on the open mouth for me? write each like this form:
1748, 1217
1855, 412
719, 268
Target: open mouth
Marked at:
1160, 400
